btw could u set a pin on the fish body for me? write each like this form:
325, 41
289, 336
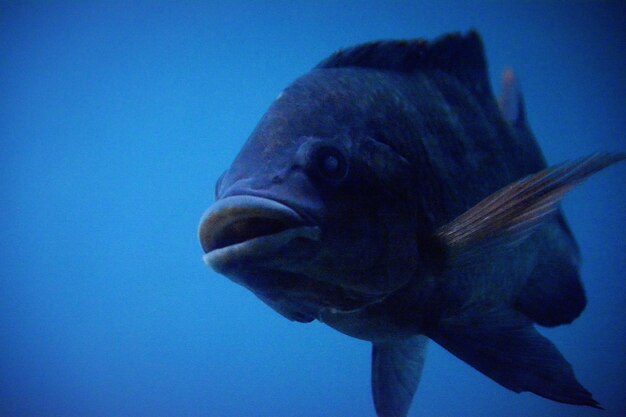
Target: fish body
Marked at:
389, 195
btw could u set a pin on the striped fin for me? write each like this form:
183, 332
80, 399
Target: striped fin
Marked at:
521, 206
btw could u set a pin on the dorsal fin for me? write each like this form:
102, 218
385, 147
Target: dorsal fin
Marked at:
461, 56
511, 101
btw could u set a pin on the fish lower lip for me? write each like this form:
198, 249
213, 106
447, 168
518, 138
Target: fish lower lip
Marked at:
252, 251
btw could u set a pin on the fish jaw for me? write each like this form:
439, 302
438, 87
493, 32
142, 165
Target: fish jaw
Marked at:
242, 233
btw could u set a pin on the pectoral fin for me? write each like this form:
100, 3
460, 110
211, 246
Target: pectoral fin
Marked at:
396, 371
503, 344
518, 208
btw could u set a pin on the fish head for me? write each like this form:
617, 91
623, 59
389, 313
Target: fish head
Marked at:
310, 215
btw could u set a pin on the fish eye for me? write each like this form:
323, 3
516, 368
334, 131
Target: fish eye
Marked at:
328, 162
323, 159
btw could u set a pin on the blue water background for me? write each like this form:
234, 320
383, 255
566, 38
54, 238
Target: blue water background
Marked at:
116, 118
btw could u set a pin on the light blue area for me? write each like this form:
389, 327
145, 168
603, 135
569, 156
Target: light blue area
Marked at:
116, 119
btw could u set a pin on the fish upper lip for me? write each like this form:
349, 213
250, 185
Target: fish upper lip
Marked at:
234, 223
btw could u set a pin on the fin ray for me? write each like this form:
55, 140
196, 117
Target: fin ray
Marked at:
510, 101
553, 294
461, 56
396, 371
521, 206
503, 345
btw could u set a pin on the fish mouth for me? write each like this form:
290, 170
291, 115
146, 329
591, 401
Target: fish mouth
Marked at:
241, 231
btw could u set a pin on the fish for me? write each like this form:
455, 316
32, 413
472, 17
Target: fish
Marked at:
388, 194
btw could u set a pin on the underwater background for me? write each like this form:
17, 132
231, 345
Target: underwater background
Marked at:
116, 118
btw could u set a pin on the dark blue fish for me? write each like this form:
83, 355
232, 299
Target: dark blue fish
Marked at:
387, 194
